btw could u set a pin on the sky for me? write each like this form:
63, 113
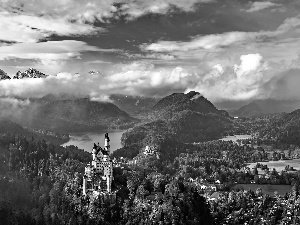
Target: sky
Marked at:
231, 51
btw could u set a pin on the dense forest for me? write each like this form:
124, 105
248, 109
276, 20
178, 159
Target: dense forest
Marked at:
42, 184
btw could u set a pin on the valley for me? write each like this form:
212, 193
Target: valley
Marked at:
174, 145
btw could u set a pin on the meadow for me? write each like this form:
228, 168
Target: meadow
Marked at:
279, 165
266, 188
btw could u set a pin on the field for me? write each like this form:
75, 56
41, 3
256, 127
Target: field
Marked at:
266, 188
236, 137
279, 165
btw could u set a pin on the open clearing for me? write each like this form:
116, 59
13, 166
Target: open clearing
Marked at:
279, 165
266, 188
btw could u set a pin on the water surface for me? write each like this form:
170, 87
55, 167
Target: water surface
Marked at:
86, 140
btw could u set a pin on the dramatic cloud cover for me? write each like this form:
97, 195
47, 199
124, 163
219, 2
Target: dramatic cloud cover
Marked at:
257, 6
227, 50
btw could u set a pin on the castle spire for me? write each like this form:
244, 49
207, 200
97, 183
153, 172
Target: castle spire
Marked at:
106, 143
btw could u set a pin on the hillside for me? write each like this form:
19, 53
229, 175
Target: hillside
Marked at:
178, 119
193, 101
9, 127
284, 128
267, 106
75, 115
134, 105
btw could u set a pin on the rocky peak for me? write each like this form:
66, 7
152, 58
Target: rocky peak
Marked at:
30, 73
3, 75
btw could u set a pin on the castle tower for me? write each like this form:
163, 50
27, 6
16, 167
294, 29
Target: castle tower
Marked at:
106, 143
99, 174
84, 185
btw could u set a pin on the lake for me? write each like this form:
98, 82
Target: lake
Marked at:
86, 140
236, 137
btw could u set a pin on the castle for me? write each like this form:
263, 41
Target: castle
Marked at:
99, 174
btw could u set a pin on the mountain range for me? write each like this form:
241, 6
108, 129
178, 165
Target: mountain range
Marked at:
3, 75
63, 114
134, 105
266, 106
30, 73
283, 128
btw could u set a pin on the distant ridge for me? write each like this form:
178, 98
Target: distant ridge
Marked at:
266, 106
30, 73
193, 101
134, 105
284, 128
71, 115
4, 76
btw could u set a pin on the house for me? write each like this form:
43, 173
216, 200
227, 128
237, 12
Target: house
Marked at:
211, 187
191, 180
214, 196
218, 182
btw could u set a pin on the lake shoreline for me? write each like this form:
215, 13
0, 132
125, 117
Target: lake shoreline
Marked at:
86, 140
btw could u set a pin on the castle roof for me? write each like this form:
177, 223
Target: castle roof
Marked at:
98, 149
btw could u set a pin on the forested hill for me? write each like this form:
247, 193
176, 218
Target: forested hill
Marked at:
266, 106
284, 128
71, 115
192, 101
8, 126
134, 105
177, 119
41, 184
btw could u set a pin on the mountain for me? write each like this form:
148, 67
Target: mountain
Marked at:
8, 126
284, 128
30, 73
71, 115
177, 119
3, 75
192, 101
134, 105
266, 106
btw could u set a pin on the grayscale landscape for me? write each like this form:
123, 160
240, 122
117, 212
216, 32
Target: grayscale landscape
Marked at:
143, 112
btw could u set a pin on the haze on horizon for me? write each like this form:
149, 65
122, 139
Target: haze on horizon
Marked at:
228, 50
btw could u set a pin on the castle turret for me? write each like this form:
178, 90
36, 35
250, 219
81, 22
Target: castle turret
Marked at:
106, 143
99, 174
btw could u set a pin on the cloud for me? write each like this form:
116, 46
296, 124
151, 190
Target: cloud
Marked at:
34, 20
276, 45
206, 42
241, 81
9, 106
258, 6
28, 28
249, 63
50, 50
135, 78
134, 9
237, 82
251, 77
285, 85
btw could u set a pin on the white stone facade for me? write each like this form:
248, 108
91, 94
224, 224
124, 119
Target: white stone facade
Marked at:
99, 174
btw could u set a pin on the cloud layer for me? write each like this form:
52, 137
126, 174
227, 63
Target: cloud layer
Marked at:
39, 19
240, 60
236, 82
258, 6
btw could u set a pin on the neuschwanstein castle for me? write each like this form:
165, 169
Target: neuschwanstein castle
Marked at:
99, 174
